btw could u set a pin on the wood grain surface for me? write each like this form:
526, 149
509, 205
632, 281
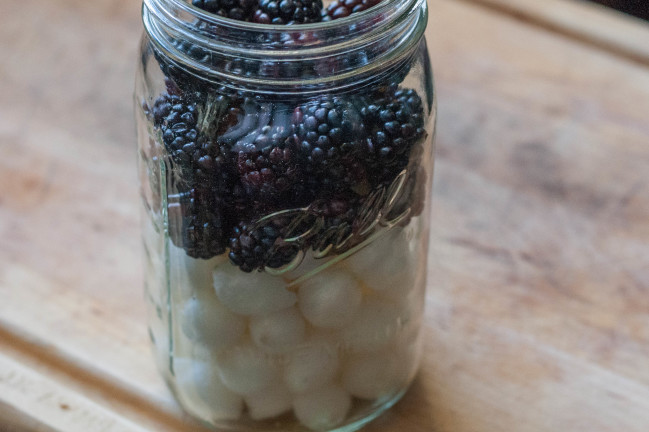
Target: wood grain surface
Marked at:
590, 23
538, 298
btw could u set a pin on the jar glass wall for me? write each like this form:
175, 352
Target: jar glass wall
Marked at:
285, 179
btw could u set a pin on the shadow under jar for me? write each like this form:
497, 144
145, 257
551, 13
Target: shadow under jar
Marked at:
285, 178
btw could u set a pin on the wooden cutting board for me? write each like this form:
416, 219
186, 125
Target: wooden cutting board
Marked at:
538, 298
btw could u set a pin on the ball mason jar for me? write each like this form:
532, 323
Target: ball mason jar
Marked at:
285, 177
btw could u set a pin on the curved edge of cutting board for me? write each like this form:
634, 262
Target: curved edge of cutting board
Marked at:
30, 401
43, 389
594, 24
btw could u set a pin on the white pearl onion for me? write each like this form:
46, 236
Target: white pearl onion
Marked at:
375, 375
279, 331
269, 403
322, 409
206, 321
251, 293
376, 324
329, 299
312, 365
191, 275
199, 384
245, 369
385, 264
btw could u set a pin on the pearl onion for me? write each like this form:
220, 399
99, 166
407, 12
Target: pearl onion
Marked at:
190, 275
385, 264
380, 375
376, 323
329, 299
375, 375
251, 293
279, 331
198, 384
245, 370
322, 409
206, 321
269, 403
310, 366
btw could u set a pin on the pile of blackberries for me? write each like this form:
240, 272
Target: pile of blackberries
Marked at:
283, 11
234, 158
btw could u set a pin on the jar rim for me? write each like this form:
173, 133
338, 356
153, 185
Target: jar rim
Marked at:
383, 34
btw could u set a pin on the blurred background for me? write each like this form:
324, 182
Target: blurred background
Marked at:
639, 8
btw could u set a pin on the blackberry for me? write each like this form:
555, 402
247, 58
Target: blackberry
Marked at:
394, 124
264, 161
327, 138
202, 188
267, 167
198, 222
199, 158
190, 81
177, 120
240, 10
255, 247
288, 11
343, 8
181, 78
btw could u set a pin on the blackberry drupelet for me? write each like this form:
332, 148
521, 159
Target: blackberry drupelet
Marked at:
288, 11
343, 8
327, 138
241, 10
253, 248
394, 123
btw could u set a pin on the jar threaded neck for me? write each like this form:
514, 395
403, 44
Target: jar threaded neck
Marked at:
286, 59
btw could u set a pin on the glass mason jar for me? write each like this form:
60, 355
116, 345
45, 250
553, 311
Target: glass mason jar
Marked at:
285, 175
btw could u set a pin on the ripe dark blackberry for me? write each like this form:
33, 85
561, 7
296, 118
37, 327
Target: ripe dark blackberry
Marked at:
327, 138
177, 119
394, 124
240, 10
198, 157
198, 222
200, 170
343, 8
253, 248
189, 81
288, 11
181, 78
264, 161
267, 167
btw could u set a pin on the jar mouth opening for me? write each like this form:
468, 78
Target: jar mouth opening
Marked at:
379, 9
